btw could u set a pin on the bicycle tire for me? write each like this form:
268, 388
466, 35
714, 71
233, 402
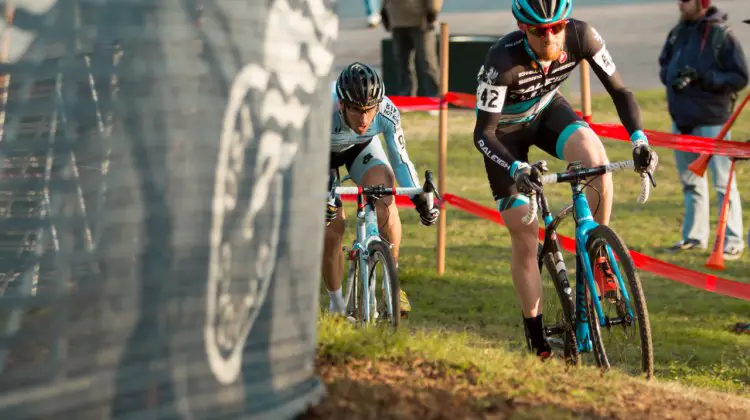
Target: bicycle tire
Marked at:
566, 299
352, 286
378, 251
626, 266
595, 332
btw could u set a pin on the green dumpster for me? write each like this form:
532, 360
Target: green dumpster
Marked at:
466, 54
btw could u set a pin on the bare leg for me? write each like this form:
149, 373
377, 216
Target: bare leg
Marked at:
333, 256
523, 264
388, 217
584, 145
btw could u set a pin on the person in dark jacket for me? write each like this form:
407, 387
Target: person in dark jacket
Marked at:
703, 68
412, 23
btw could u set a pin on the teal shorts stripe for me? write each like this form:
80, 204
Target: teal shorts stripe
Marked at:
513, 201
565, 135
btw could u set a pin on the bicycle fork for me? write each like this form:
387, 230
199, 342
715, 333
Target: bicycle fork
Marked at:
583, 334
367, 227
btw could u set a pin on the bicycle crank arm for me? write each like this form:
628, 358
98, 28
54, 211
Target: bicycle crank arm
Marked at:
627, 321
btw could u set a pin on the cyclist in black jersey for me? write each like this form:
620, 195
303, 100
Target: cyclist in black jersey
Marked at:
518, 105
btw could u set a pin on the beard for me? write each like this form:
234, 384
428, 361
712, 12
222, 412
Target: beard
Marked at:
550, 52
549, 49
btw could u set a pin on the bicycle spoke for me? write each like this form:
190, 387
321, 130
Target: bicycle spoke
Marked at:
626, 332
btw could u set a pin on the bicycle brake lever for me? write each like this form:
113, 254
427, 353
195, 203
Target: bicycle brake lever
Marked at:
332, 184
429, 183
438, 197
542, 166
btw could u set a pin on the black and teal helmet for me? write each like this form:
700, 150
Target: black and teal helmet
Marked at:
541, 12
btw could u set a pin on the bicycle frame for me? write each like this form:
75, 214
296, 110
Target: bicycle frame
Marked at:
367, 231
584, 224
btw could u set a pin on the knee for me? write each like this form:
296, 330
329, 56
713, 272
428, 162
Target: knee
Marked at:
594, 152
386, 209
524, 239
334, 235
690, 189
585, 146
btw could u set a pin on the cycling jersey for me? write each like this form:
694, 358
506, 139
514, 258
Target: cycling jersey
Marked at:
387, 122
514, 88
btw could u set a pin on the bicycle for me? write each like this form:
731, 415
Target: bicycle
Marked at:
369, 249
579, 327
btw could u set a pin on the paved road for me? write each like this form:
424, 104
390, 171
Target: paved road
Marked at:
356, 9
634, 33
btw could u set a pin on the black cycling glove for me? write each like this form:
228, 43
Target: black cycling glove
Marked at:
332, 210
428, 215
528, 178
645, 159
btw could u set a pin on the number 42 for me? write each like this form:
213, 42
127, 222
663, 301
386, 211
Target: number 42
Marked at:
493, 95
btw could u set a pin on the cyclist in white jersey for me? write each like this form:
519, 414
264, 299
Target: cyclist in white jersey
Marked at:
361, 113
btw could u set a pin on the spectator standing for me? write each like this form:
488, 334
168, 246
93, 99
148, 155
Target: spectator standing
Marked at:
412, 24
373, 17
703, 68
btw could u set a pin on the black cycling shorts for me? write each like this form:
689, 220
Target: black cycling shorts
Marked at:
548, 131
347, 157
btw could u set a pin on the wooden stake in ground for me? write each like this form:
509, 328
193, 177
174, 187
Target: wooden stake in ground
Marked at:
442, 144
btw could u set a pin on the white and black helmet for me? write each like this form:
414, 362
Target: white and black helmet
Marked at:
360, 85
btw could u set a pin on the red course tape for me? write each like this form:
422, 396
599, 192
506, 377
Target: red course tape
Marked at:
682, 142
644, 262
664, 269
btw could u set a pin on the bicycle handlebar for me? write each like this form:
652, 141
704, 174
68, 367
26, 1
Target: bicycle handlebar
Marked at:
378, 191
582, 173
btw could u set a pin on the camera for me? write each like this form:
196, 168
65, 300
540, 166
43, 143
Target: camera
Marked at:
682, 82
685, 77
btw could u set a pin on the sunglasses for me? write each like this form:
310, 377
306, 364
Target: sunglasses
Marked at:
356, 110
541, 30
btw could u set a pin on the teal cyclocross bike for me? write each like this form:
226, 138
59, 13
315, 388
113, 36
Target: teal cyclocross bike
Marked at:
593, 320
370, 258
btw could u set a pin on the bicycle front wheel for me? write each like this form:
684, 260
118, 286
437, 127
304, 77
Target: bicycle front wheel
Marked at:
626, 333
385, 291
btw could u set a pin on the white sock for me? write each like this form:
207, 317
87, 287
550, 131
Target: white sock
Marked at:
337, 301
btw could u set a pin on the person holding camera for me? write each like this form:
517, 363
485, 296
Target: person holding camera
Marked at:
703, 68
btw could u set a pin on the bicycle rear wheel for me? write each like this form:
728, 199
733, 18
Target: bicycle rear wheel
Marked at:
626, 334
559, 309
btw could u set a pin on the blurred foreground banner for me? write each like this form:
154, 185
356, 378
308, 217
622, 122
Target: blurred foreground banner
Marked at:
159, 160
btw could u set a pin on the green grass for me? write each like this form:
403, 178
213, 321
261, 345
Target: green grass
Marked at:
471, 310
521, 374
